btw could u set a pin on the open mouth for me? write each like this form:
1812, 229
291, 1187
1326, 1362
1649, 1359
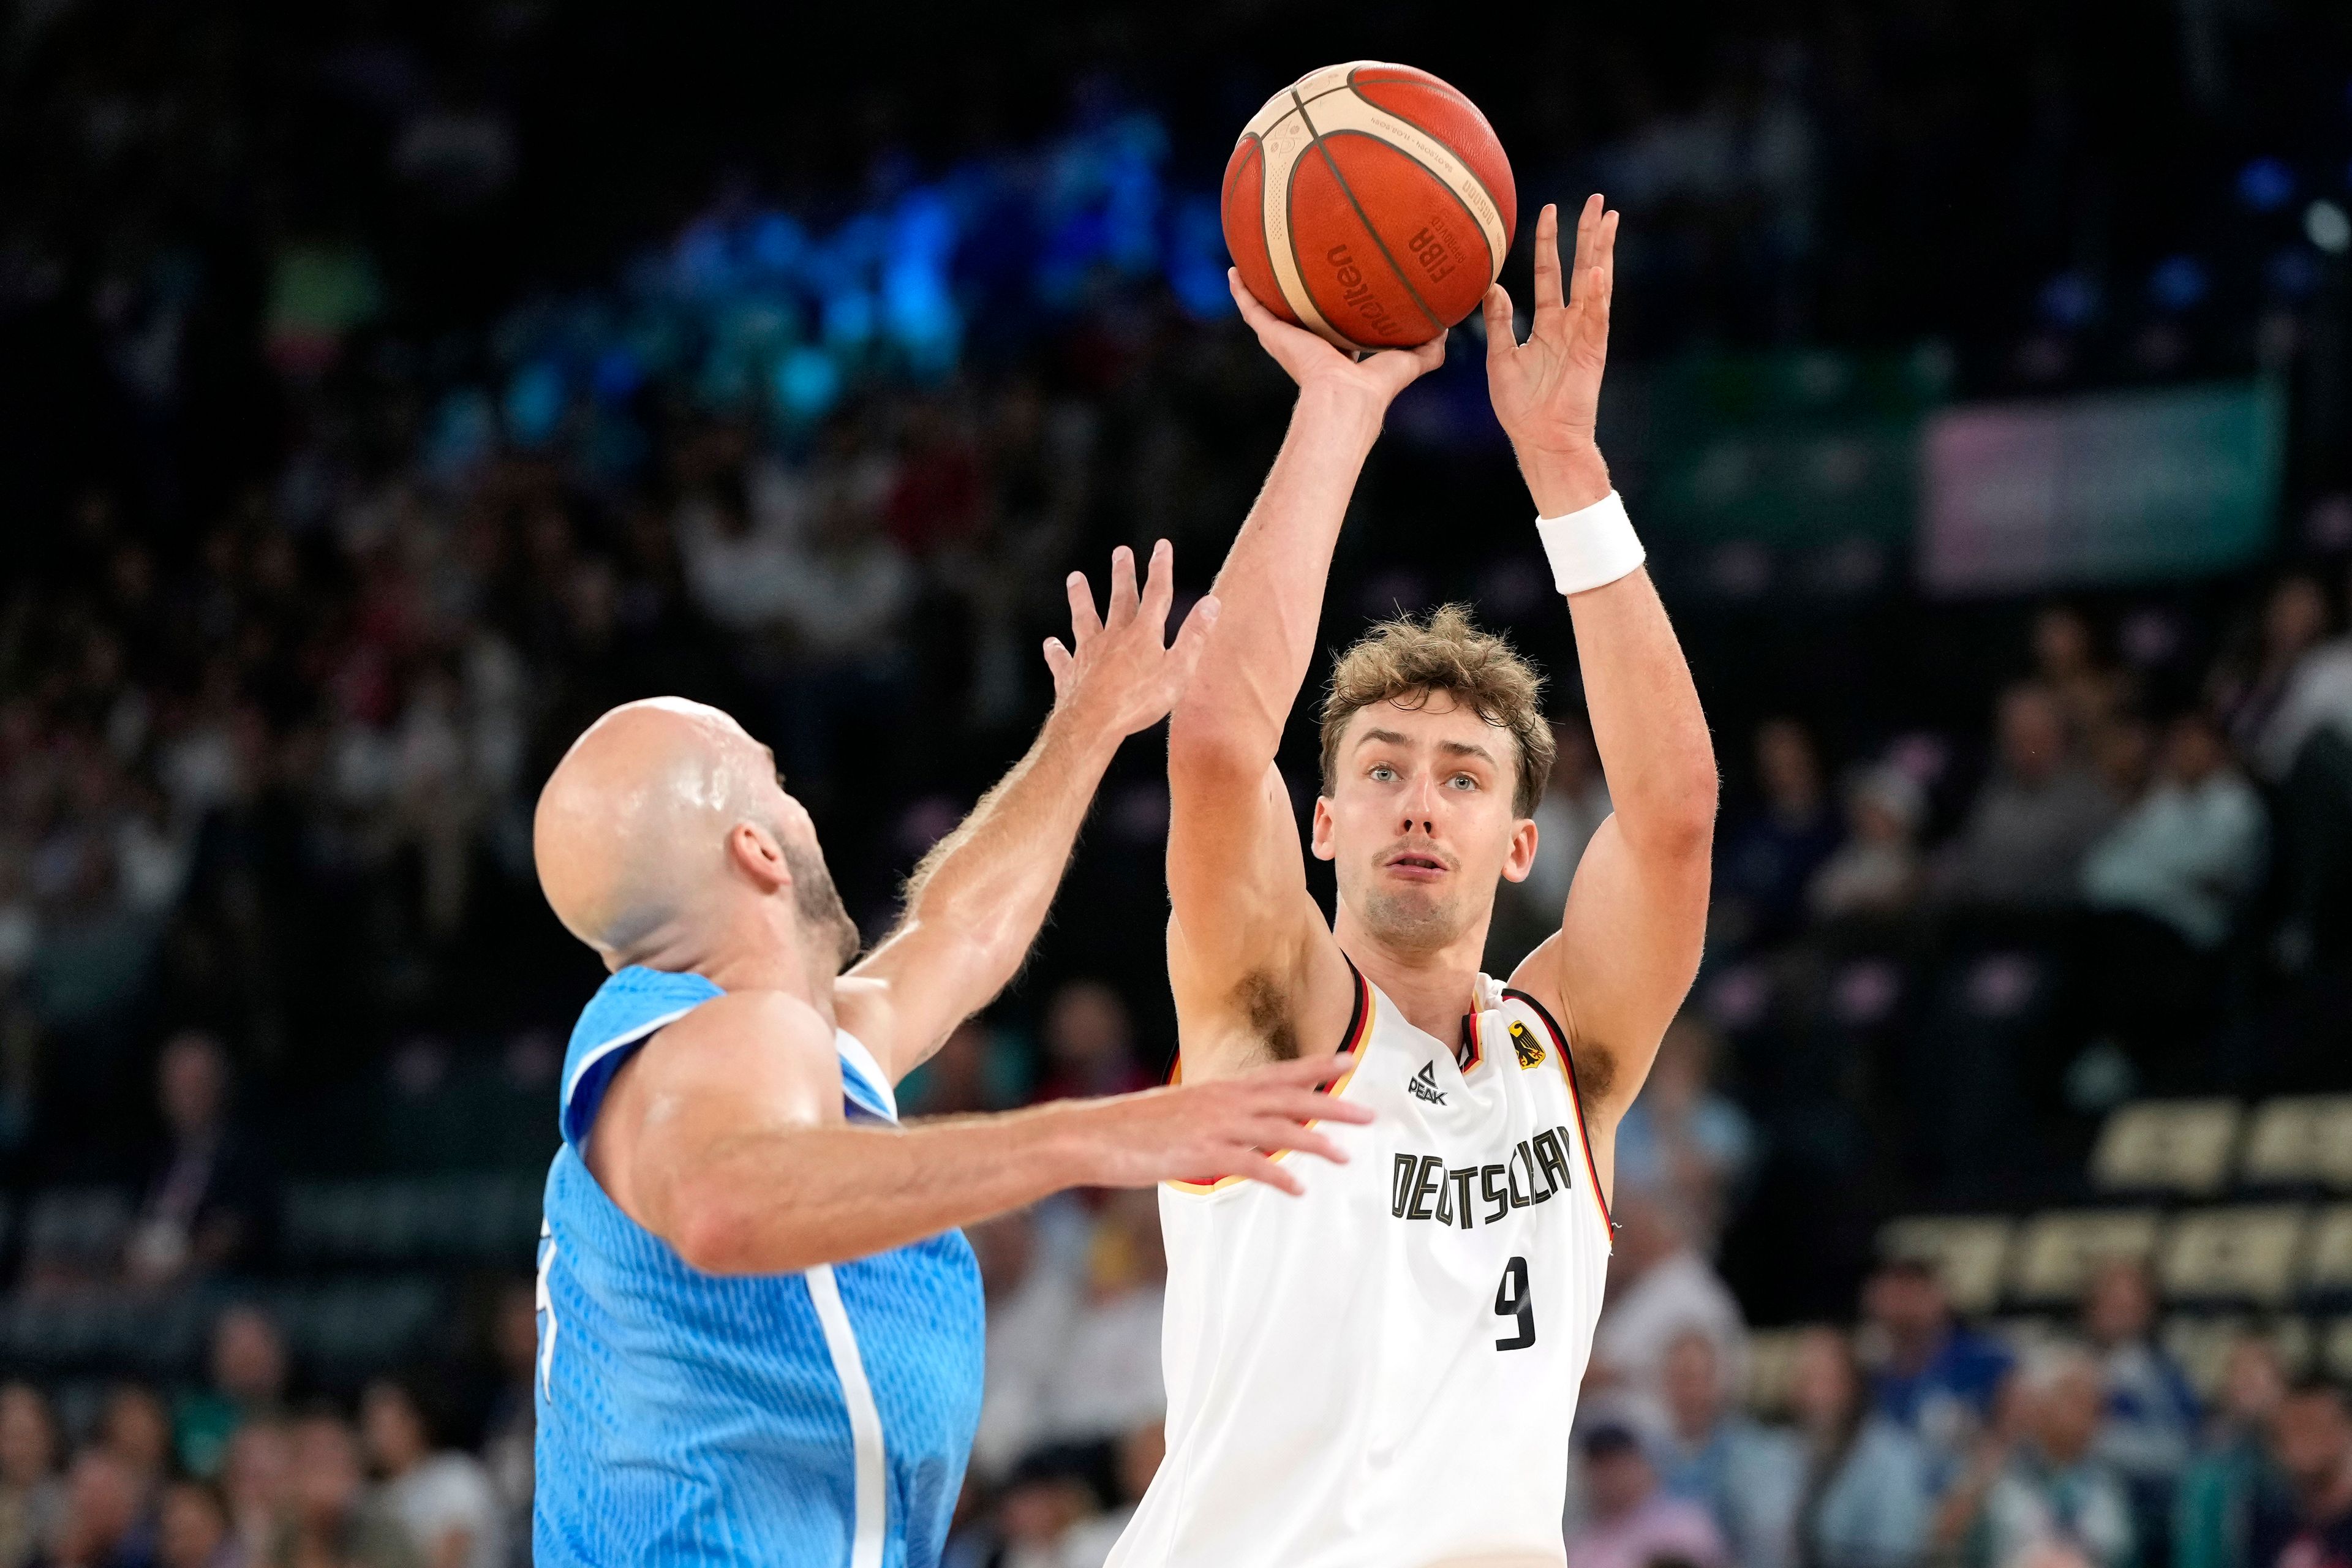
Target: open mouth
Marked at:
1416, 865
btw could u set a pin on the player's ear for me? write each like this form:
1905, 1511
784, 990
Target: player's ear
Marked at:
753, 851
1319, 840
1521, 858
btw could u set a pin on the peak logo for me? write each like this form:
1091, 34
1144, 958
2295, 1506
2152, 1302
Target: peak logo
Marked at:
1423, 1084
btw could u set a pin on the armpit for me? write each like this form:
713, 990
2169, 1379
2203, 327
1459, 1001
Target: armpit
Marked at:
1265, 1005
1596, 1073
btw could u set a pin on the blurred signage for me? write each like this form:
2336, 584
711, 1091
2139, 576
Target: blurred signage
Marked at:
1782, 472
2115, 488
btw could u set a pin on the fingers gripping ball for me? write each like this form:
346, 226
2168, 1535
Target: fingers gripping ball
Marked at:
1370, 203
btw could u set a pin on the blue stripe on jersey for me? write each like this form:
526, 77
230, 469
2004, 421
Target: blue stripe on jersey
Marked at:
690, 1418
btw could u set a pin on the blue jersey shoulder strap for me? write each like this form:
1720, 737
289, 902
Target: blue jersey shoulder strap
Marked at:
635, 1002
625, 1013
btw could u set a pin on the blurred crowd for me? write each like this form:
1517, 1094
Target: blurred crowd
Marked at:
352, 472
241, 1468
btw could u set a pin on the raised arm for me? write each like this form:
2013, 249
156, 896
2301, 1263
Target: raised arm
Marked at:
1251, 961
724, 1136
1629, 941
978, 899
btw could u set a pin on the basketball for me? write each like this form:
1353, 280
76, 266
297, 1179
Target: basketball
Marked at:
1370, 203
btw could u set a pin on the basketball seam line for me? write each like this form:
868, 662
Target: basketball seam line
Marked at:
1362, 216
1298, 105
1459, 156
1439, 181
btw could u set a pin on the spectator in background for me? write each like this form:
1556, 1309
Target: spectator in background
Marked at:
2311, 1439
2023, 845
2151, 1411
257, 1479
1574, 805
1766, 865
2166, 885
194, 1532
1089, 1044
2234, 1476
1747, 1477
1661, 1287
105, 1522
847, 590
1864, 1502
507, 1435
1140, 1456
136, 1429
441, 1499
959, 1077
248, 1382
330, 1520
2090, 693
1043, 1513
2036, 1482
210, 1203
2301, 687
1877, 872
1629, 1522
1105, 1379
2188, 853
32, 1497
1684, 1136
1031, 1305
2292, 720
1938, 1379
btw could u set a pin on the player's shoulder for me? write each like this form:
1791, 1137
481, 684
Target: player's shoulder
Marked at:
752, 1017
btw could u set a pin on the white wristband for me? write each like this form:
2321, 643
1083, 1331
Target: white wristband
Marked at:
1592, 548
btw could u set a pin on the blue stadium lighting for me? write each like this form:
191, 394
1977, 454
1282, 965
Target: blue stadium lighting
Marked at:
534, 405
617, 376
2179, 283
2292, 272
2069, 299
2266, 185
807, 383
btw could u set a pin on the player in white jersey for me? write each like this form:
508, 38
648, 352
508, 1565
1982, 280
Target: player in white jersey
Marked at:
1383, 1373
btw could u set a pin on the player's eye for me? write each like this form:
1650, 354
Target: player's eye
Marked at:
1382, 773
1462, 781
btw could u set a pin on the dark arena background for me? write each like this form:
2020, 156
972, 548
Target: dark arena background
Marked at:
386, 391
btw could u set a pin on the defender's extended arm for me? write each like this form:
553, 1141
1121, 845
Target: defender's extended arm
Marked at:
724, 1135
978, 899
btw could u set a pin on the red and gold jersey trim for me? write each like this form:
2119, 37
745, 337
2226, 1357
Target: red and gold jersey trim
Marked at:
1576, 1093
1360, 1029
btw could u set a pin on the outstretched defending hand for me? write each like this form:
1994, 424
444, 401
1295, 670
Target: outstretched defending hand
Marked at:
1228, 1127
1312, 362
1547, 391
1123, 674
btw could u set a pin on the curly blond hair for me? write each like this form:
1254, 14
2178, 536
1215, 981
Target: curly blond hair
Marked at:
1406, 661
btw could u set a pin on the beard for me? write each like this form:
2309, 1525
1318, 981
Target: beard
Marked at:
1410, 919
818, 903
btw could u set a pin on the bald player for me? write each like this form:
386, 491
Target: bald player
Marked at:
760, 1332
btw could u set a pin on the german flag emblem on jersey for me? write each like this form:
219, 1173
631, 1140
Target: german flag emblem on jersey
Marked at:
1531, 1051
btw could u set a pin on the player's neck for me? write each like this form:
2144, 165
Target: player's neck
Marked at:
755, 956
1433, 987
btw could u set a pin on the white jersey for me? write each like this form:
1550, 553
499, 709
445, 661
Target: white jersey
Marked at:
1381, 1374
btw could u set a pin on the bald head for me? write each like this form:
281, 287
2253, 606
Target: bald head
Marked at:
661, 820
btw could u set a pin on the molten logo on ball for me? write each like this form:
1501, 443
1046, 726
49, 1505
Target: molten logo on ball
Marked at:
1358, 293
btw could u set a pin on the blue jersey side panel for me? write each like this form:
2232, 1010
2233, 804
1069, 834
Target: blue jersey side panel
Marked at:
688, 1419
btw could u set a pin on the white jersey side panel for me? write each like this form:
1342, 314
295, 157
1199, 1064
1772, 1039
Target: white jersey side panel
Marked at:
1381, 1374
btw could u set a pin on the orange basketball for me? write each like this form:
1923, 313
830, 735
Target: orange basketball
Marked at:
1368, 203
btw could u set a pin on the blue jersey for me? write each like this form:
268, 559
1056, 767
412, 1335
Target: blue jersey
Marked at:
811, 1420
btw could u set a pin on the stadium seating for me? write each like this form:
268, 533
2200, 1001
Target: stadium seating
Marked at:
2168, 1146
